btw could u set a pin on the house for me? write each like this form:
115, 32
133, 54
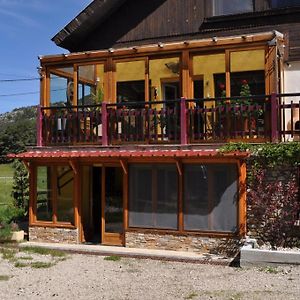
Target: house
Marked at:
131, 120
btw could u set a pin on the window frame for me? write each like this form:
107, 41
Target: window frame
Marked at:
241, 200
53, 177
214, 8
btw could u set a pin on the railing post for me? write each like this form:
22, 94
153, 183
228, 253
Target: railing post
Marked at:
104, 124
39, 136
274, 118
183, 125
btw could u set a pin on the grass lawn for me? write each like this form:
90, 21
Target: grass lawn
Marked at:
6, 181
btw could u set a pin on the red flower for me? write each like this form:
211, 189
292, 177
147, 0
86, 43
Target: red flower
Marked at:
222, 86
244, 81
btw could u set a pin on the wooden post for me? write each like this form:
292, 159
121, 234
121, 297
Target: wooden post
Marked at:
274, 118
183, 125
242, 199
104, 124
39, 137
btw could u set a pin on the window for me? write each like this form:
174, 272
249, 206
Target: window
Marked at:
284, 3
228, 7
153, 196
54, 199
210, 197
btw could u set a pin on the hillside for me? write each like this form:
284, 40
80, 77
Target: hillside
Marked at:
17, 131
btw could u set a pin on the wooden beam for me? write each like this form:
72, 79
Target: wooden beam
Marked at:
174, 46
73, 166
124, 166
179, 167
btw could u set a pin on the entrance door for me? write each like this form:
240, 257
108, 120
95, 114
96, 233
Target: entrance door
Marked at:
112, 206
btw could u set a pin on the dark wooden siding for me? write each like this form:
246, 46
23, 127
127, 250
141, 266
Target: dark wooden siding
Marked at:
151, 21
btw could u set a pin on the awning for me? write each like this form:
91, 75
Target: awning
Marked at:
174, 153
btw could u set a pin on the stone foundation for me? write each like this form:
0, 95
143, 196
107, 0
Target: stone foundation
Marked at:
191, 243
53, 235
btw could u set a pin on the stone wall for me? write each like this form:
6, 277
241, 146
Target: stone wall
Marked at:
191, 243
53, 235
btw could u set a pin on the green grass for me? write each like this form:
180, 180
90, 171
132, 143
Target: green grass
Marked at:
4, 277
6, 170
19, 264
112, 258
8, 254
44, 251
269, 269
41, 265
191, 295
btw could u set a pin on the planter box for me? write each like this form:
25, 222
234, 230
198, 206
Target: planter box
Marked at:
258, 257
17, 236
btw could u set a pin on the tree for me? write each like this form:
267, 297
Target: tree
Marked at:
21, 185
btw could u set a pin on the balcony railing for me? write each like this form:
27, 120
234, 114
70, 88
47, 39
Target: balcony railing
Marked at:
184, 121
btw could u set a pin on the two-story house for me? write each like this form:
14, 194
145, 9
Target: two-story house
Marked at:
131, 120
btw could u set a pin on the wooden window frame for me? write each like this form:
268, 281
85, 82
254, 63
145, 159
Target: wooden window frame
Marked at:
241, 204
54, 223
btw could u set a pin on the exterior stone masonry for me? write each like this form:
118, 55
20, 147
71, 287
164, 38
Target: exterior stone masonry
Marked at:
53, 235
190, 243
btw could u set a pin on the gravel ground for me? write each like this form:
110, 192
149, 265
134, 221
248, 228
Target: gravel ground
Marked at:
93, 277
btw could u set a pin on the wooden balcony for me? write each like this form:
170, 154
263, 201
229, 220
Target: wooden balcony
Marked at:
267, 118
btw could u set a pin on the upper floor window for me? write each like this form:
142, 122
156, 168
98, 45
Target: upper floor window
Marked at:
228, 7
284, 3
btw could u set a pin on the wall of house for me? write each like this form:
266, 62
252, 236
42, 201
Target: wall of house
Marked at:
53, 235
190, 243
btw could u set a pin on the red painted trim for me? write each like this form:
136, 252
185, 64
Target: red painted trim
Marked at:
104, 124
183, 125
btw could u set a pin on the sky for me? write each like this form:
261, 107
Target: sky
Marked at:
26, 29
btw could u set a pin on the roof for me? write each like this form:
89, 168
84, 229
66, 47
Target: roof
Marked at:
174, 153
93, 15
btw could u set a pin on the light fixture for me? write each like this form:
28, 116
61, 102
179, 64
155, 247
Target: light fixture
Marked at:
173, 67
186, 43
111, 50
160, 45
214, 39
40, 71
244, 37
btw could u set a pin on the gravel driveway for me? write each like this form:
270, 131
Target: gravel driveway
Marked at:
94, 277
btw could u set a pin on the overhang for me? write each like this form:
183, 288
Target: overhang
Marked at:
93, 15
73, 154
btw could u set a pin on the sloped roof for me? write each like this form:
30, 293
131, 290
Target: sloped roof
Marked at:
94, 14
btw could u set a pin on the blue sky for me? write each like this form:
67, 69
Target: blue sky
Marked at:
26, 29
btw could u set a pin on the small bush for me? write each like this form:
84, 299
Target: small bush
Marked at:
274, 207
41, 265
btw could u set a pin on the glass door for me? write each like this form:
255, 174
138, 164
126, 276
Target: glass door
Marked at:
112, 205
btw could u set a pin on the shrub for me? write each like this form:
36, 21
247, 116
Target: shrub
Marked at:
274, 206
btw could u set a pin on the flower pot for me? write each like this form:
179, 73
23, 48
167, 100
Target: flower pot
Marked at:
17, 236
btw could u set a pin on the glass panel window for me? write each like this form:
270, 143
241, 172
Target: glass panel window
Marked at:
65, 181
153, 196
55, 194
228, 7
90, 84
210, 197
61, 86
284, 3
44, 208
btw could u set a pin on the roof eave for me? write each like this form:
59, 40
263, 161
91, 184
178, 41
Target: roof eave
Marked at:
93, 15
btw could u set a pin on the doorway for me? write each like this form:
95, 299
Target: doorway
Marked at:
102, 205
112, 206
